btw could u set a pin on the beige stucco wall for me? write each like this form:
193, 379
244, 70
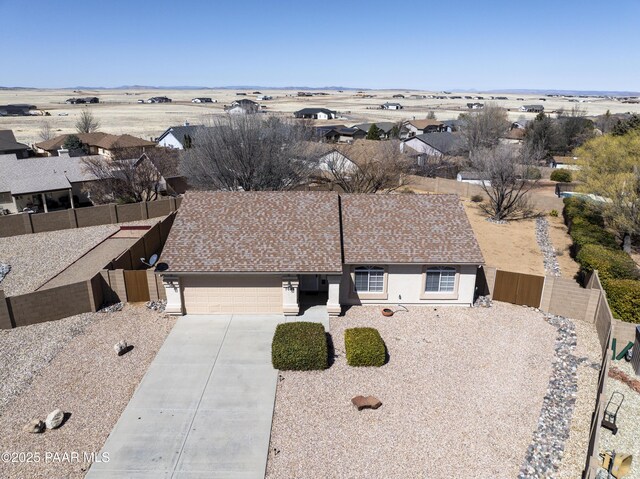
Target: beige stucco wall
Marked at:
404, 285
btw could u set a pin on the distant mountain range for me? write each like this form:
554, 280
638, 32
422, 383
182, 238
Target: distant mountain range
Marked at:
513, 91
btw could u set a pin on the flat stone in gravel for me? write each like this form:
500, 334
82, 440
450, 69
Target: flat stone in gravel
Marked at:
462, 394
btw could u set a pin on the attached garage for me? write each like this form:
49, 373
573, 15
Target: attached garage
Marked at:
232, 294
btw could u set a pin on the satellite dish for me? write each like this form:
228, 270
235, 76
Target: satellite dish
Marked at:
152, 260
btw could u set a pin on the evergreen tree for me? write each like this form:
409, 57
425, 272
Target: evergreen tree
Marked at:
374, 132
72, 143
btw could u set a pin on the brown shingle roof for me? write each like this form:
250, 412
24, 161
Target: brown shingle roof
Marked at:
422, 124
255, 232
102, 140
427, 229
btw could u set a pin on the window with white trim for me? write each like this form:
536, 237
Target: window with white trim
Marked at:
441, 280
369, 279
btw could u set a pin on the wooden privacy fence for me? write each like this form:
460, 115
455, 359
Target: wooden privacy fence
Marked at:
136, 286
25, 223
518, 288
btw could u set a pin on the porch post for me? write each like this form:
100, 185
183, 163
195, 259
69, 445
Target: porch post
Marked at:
44, 202
71, 199
333, 303
171, 285
290, 305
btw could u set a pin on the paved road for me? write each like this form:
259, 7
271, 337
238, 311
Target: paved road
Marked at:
204, 407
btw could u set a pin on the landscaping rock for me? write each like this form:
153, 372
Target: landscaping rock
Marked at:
121, 347
36, 426
4, 270
159, 305
368, 402
483, 302
550, 257
111, 308
54, 419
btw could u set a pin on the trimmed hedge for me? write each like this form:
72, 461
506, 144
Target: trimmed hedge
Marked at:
623, 296
364, 347
575, 208
300, 346
561, 176
610, 263
583, 233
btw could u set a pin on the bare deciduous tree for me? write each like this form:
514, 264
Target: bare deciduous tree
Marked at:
367, 167
46, 131
483, 128
123, 178
87, 123
508, 175
249, 152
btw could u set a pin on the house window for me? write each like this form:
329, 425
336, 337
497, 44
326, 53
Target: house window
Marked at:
369, 279
441, 280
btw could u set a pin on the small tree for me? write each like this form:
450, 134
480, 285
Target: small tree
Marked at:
46, 131
431, 115
483, 129
374, 132
73, 144
622, 127
87, 123
508, 176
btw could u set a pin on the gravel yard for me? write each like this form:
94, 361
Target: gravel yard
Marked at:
85, 378
461, 394
627, 440
36, 258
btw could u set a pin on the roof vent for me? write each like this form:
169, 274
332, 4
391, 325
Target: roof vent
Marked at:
186, 123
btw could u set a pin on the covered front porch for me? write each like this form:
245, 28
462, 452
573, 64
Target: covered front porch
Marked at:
44, 201
304, 291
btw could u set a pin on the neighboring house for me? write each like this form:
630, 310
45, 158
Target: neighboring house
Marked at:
565, 162
514, 136
474, 177
264, 97
82, 101
158, 99
435, 144
9, 145
203, 100
475, 106
167, 162
265, 252
520, 124
243, 107
419, 127
384, 126
17, 110
399, 95
452, 125
340, 133
179, 137
316, 114
532, 108
391, 106
40, 184
98, 144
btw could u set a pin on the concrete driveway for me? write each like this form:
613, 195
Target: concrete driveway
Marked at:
204, 407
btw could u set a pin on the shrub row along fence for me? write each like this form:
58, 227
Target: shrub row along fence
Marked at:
442, 185
26, 223
121, 280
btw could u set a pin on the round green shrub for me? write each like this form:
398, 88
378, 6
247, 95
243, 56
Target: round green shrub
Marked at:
553, 213
623, 296
364, 347
610, 263
300, 346
477, 198
561, 176
583, 232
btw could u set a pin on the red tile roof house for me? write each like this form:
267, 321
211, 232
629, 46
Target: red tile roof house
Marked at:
264, 252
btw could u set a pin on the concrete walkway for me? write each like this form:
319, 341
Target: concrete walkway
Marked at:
204, 407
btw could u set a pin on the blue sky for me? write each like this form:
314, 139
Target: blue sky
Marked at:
539, 44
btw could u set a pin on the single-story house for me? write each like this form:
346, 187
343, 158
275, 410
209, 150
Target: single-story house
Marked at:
520, 124
419, 127
167, 162
316, 114
98, 144
265, 253
398, 95
82, 101
264, 97
532, 108
435, 144
179, 137
243, 107
452, 125
203, 100
158, 99
475, 106
17, 110
391, 106
9, 145
340, 133
474, 177
385, 127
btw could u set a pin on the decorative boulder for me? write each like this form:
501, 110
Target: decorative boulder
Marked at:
35, 426
121, 348
54, 419
368, 402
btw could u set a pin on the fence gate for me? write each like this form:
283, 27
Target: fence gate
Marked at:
518, 288
136, 285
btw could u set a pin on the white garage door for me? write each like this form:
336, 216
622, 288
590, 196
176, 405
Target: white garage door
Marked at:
219, 294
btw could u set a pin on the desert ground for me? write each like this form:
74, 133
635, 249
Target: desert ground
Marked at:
119, 112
